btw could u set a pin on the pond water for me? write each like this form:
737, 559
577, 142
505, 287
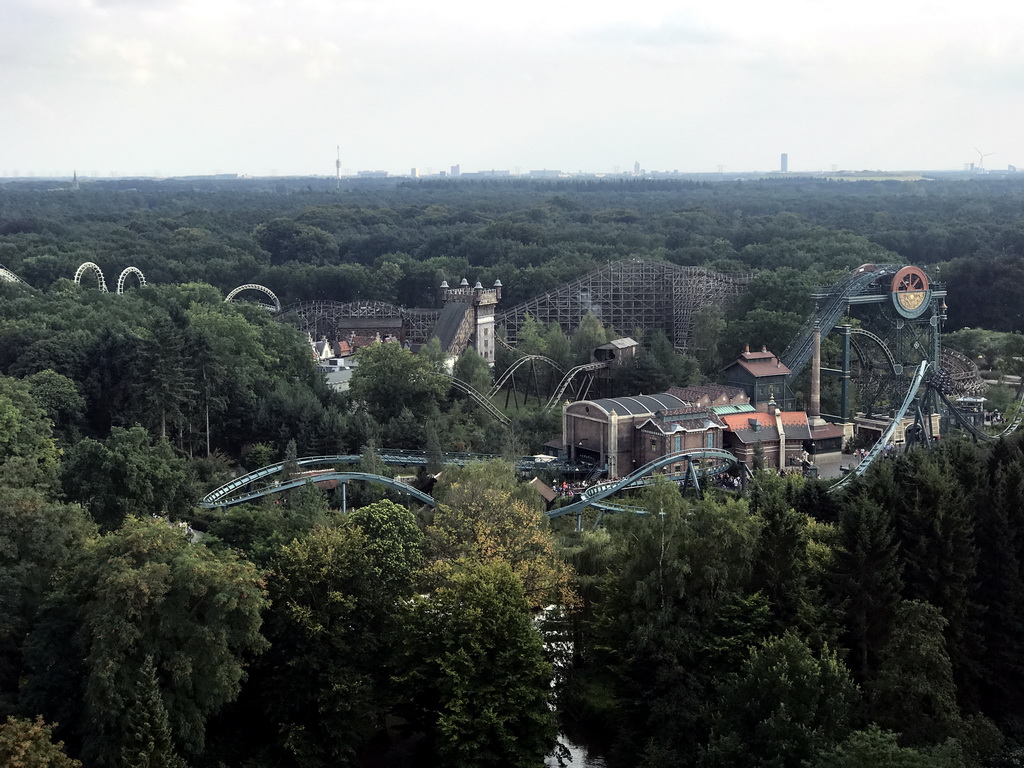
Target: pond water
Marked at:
579, 756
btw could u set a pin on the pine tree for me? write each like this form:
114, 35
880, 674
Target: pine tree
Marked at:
867, 580
291, 461
1000, 593
781, 569
146, 740
913, 692
936, 534
29, 744
435, 456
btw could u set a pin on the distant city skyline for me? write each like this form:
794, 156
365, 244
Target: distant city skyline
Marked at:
456, 172
261, 87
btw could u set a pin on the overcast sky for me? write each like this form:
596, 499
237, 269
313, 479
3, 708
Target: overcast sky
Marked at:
263, 87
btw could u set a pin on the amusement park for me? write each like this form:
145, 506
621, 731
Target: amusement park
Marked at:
891, 386
641, 476
888, 384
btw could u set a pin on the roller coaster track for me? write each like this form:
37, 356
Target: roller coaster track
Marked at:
124, 276
594, 495
896, 367
510, 371
9, 277
965, 378
319, 477
567, 380
228, 494
876, 450
101, 281
480, 399
799, 352
978, 433
276, 307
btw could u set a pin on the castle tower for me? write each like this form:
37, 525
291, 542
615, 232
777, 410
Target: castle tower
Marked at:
472, 325
485, 302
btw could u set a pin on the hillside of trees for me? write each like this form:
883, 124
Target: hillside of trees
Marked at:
787, 628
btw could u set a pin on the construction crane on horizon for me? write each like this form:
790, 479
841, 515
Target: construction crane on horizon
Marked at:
981, 158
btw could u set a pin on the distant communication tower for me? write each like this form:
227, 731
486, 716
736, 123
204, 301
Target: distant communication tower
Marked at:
337, 166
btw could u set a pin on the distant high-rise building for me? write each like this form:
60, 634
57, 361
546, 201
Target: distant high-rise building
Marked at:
456, 171
785, 162
636, 168
414, 173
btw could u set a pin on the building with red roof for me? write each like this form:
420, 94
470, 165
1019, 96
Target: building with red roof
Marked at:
762, 376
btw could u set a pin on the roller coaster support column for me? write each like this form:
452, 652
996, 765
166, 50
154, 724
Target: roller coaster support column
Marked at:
844, 405
344, 498
690, 480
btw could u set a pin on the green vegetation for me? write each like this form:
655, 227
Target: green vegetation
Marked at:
788, 628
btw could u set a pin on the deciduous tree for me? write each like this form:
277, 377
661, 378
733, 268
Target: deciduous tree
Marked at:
29, 744
483, 514
143, 591
476, 677
785, 707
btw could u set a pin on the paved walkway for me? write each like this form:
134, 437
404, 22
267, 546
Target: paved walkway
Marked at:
829, 463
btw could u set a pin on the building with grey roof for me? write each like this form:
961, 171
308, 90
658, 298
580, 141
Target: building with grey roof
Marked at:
624, 433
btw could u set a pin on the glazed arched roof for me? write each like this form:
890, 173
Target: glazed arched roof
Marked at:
640, 404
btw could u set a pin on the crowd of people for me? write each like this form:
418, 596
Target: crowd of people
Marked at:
568, 490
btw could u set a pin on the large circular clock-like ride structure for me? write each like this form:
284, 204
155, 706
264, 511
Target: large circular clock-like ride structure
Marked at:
888, 320
900, 323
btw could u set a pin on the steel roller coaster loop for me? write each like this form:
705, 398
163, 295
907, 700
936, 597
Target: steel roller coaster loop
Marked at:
124, 276
101, 281
255, 287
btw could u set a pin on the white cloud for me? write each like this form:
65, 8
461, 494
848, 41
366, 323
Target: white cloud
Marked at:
249, 85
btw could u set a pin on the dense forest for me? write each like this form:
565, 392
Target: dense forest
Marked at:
784, 627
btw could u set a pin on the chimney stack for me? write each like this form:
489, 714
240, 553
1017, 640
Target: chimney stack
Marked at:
814, 410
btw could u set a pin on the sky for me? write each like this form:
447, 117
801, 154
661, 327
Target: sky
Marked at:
273, 87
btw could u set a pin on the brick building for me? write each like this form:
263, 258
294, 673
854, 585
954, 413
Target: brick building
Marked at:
624, 433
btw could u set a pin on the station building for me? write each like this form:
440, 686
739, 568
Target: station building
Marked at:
624, 433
